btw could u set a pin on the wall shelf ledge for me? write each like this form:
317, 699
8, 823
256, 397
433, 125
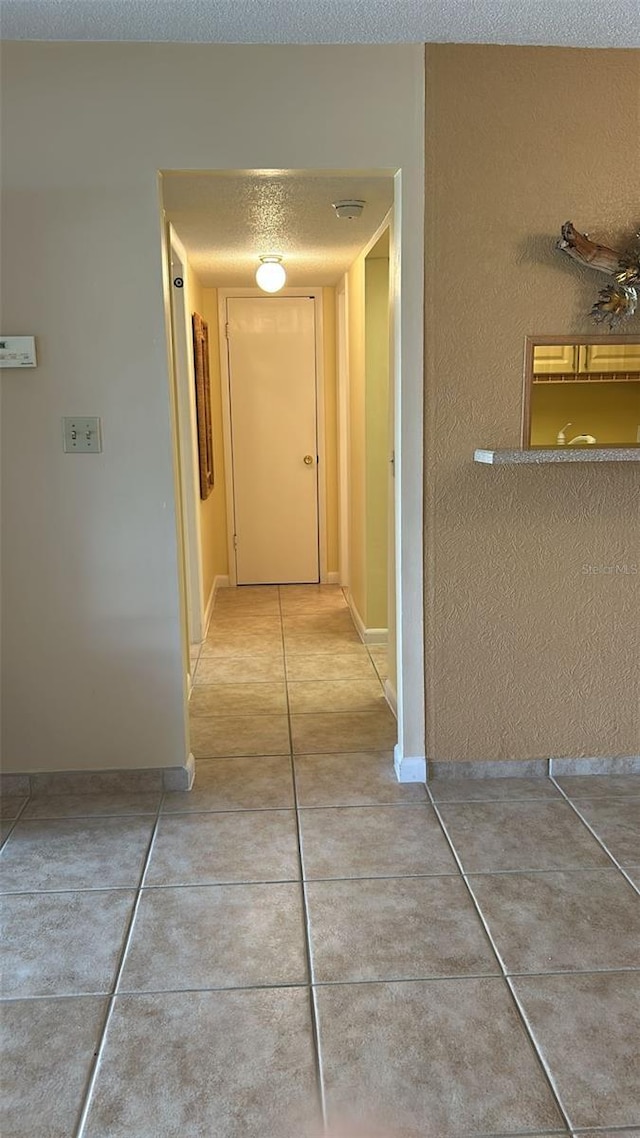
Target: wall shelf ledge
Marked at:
539, 456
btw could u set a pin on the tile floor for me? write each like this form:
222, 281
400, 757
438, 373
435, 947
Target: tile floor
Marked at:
301, 936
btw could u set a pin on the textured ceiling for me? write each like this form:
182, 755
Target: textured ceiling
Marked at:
226, 221
586, 23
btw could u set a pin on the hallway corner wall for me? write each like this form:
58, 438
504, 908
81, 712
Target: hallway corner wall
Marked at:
531, 651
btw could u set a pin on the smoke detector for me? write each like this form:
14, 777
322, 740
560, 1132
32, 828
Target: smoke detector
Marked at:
350, 208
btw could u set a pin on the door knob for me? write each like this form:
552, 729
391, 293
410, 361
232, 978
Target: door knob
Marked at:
308, 459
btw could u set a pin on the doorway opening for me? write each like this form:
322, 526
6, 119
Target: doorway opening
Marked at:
304, 413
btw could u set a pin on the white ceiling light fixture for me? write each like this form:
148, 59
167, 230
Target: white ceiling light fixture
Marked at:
271, 276
349, 209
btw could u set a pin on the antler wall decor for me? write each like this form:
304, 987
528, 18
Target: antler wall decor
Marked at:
616, 302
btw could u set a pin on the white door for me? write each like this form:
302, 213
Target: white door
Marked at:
272, 382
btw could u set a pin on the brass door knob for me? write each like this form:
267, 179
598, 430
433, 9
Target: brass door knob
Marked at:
308, 459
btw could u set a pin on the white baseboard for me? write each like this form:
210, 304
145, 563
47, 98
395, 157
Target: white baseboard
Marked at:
409, 768
220, 581
391, 697
333, 578
367, 635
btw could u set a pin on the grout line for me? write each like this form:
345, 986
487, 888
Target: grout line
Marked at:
14, 821
313, 1011
519, 1008
599, 840
349, 982
97, 1057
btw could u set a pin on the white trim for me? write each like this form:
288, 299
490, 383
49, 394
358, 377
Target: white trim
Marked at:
181, 364
391, 696
333, 578
367, 635
406, 289
410, 768
342, 402
316, 293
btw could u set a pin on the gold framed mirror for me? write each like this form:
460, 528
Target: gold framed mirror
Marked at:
581, 391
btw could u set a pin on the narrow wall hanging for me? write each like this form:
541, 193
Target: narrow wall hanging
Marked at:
203, 404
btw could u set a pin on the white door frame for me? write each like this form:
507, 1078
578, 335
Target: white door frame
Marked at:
252, 293
406, 290
186, 432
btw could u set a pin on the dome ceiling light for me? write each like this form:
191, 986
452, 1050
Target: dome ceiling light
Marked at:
350, 208
270, 276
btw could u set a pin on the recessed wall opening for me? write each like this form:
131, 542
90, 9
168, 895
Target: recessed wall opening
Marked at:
286, 448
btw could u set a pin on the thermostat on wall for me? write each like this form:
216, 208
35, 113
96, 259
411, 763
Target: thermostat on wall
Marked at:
17, 351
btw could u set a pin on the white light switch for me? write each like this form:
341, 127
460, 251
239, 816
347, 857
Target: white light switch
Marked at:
82, 435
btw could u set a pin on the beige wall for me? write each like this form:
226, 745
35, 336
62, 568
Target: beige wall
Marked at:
357, 445
330, 424
214, 510
527, 655
368, 353
93, 665
377, 435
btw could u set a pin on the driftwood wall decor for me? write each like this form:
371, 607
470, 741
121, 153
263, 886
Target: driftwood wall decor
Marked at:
203, 403
616, 302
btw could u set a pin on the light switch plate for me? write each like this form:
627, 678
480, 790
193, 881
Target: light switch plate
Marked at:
82, 435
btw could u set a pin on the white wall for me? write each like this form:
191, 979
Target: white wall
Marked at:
92, 657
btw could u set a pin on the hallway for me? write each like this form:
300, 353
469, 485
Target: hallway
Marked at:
301, 930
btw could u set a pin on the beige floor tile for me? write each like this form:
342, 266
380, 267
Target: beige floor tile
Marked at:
212, 849
344, 731
491, 789
599, 786
58, 944
219, 736
313, 696
588, 1030
352, 665
257, 783
616, 821
373, 841
254, 622
234, 641
10, 807
520, 835
380, 658
240, 669
216, 936
300, 592
353, 779
309, 644
295, 602
79, 853
431, 1060
233, 1064
355, 930
335, 621
48, 1048
556, 922
91, 805
239, 699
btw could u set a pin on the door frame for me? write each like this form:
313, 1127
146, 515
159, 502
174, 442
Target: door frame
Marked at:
182, 367
316, 294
